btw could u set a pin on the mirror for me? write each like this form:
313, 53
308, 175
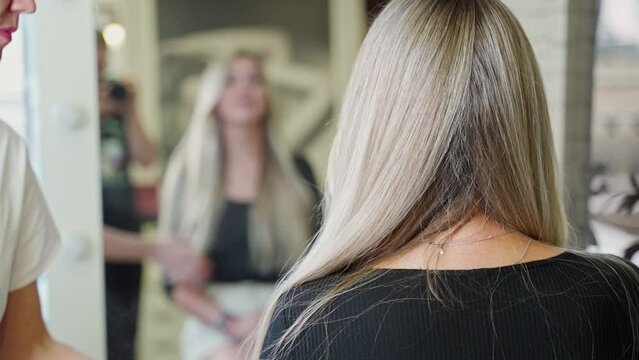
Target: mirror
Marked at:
180, 82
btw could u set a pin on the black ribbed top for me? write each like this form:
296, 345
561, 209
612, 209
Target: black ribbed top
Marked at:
571, 306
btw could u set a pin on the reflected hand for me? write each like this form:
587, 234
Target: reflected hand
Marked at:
183, 264
128, 104
108, 106
241, 327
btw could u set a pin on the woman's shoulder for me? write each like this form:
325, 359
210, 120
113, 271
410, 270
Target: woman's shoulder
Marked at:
302, 294
562, 279
605, 269
580, 276
605, 265
570, 266
356, 289
10, 140
13, 157
595, 272
292, 303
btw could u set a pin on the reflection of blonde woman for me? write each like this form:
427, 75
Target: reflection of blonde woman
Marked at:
443, 217
238, 200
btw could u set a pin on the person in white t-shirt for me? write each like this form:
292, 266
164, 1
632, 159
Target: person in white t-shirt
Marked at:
28, 237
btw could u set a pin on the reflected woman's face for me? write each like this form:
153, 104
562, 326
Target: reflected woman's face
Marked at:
244, 99
9, 12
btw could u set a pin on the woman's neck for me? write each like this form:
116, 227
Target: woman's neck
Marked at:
478, 243
245, 149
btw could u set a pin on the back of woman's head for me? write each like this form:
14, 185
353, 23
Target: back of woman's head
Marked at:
444, 117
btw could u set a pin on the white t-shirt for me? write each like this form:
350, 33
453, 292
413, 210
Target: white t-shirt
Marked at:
28, 237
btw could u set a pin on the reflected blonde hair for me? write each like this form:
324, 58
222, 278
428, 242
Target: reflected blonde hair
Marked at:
191, 194
444, 116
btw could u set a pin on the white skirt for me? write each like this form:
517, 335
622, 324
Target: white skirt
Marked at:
199, 340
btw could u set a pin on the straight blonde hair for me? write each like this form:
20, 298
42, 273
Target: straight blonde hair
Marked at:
191, 197
444, 116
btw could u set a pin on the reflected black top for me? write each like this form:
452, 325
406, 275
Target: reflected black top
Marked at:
230, 251
566, 307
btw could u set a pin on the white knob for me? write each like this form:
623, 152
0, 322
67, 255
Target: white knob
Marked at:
69, 115
76, 247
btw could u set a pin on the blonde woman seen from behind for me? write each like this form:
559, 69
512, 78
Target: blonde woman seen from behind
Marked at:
232, 194
444, 226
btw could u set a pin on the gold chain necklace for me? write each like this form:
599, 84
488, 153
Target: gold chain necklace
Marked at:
519, 259
442, 244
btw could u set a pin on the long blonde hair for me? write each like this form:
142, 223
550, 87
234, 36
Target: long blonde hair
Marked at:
444, 116
191, 198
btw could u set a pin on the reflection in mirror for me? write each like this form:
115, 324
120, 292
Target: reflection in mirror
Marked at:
222, 106
231, 192
252, 184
